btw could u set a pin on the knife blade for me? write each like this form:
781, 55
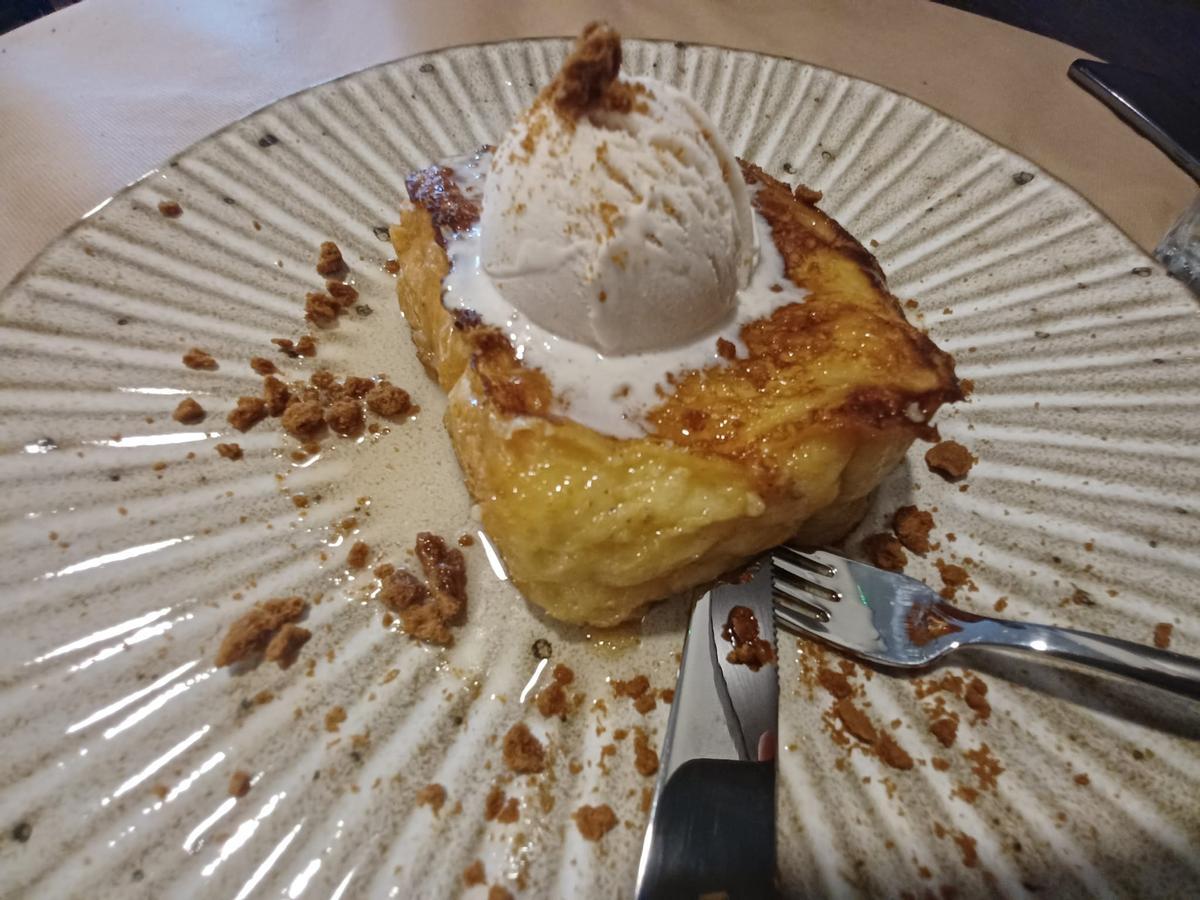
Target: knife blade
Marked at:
712, 823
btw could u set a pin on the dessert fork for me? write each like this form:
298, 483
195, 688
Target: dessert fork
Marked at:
894, 620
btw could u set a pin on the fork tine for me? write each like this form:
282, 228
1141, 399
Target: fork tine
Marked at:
796, 597
792, 605
786, 578
795, 556
798, 622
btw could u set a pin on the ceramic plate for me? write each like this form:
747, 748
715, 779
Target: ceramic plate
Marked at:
130, 545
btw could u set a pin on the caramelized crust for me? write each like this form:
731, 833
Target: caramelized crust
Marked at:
789, 439
435, 190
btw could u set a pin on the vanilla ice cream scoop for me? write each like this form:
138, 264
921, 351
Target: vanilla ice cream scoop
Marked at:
614, 215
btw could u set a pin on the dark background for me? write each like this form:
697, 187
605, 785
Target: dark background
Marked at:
1158, 36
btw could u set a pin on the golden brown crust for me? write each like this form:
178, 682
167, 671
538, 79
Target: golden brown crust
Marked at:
788, 438
435, 190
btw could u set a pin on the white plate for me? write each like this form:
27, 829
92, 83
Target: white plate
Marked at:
120, 737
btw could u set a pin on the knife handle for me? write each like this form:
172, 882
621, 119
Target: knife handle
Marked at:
714, 833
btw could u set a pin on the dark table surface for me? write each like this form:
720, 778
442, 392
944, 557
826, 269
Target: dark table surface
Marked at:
1157, 36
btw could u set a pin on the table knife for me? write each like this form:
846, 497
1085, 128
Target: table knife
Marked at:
712, 823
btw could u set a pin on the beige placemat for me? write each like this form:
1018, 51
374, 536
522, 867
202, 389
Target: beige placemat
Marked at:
96, 95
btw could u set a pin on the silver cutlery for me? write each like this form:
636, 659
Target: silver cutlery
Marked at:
1169, 117
894, 620
712, 823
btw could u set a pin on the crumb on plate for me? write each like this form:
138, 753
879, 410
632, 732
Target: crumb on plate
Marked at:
285, 646
749, 648
345, 417
329, 259
594, 822
645, 756
387, 400
1162, 635
950, 459
248, 413
199, 359
885, 552
188, 412
358, 555
523, 753
474, 874
253, 630
303, 418
433, 796
912, 527
239, 783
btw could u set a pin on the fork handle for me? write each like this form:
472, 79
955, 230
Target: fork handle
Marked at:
1164, 669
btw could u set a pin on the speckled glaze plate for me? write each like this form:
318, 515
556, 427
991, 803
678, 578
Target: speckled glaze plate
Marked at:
129, 545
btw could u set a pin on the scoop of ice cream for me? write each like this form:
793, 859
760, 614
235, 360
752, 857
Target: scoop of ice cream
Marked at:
614, 214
